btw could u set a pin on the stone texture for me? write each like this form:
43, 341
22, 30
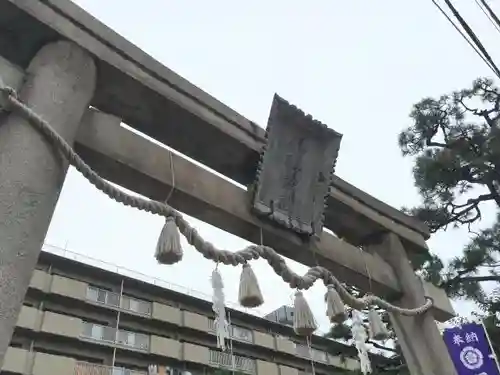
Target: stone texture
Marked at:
59, 85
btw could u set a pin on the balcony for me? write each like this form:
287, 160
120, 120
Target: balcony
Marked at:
104, 297
112, 299
304, 352
85, 368
232, 362
236, 333
136, 306
106, 334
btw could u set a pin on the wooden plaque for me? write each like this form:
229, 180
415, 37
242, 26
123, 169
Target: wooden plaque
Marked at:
296, 169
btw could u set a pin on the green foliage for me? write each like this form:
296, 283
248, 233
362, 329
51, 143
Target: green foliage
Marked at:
466, 273
455, 141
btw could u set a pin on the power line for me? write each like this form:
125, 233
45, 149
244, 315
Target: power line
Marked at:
473, 36
482, 4
491, 12
492, 67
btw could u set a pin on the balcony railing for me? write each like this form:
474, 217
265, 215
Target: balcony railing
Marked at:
85, 368
136, 305
113, 299
236, 362
237, 333
108, 334
304, 352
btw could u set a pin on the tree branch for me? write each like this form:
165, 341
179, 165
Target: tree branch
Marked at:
494, 193
471, 204
436, 144
479, 278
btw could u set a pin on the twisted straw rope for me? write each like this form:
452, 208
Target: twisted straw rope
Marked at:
207, 249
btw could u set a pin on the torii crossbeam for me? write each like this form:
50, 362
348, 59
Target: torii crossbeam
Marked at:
97, 67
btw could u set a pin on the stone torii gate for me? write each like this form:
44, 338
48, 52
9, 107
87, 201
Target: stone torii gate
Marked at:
61, 60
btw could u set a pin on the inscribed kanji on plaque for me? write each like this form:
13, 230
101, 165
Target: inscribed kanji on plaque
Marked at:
296, 169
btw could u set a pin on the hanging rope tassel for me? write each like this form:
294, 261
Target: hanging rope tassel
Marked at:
249, 293
168, 248
335, 309
278, 263
378, 330
304, 323
359, 335
219, 301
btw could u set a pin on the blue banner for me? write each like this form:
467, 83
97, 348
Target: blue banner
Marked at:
470, 350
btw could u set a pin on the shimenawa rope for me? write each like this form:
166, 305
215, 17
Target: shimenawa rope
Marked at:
207, 249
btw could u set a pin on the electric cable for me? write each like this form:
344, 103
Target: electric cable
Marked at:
491, 12
471, 44
473, 36
480, 4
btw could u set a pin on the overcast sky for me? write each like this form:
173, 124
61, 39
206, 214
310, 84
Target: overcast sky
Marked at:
358, 66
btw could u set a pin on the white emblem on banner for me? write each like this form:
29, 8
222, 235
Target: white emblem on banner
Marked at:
471, 357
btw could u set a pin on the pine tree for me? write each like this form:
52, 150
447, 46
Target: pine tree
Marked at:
455, 141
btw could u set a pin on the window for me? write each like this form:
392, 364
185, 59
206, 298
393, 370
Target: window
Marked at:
92, 293
237, 333
125, 338
141, 341
112, 299
105, 297
319, 355
125, 303
98, 332
136, 305
242, 334
133, 339
87, 329
101, 296
109, 334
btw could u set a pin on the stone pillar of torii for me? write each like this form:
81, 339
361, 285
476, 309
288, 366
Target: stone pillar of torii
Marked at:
59, 85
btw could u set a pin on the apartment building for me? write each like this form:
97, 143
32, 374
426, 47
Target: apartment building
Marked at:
84, 320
